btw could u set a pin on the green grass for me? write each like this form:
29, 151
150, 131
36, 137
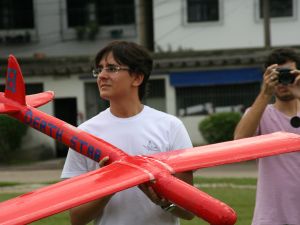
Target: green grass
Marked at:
236, 181
241, 200
7, 184
238, 193
239, 196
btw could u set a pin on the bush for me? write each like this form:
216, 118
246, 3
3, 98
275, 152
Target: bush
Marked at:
219, 127
11, 133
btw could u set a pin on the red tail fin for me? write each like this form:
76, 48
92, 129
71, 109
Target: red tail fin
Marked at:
15, 87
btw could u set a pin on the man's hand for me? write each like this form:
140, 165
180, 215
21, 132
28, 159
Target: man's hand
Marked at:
103, 161
165, 203
151, 194
270, 80
295, 87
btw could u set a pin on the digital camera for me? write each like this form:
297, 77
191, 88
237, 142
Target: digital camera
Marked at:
284, 76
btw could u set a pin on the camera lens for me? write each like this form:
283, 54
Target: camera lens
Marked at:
285, 77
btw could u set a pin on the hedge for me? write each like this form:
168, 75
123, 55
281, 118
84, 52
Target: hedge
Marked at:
11, 133
219, 127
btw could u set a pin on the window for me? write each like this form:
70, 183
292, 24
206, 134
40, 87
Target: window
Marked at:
202, 10
278, 8
202, 100
112, 12
16, 14
115, 12
33, 88
93, 103
156, 96
77, 12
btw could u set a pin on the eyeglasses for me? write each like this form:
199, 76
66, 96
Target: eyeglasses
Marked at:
108, 69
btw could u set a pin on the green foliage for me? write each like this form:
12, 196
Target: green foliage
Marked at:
93, 30
219, 127
80, 32
89, 31
11, 133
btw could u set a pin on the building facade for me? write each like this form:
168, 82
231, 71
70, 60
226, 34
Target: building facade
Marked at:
220, 24
208, 54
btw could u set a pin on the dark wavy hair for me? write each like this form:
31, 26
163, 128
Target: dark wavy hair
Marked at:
281, 56
135, 56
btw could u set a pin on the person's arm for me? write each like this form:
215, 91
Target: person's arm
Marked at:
85, 213
250, 121
164, 203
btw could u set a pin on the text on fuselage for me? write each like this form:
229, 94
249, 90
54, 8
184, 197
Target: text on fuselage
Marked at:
57, 133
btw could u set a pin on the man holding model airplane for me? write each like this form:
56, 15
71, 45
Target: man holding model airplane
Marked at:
122, 70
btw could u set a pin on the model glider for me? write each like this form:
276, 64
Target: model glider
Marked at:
123, 171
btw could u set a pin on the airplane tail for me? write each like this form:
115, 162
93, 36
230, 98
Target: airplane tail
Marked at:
14, 87
15, 90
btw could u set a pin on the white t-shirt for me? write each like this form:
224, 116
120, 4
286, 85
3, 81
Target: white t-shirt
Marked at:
278, 186
146, 133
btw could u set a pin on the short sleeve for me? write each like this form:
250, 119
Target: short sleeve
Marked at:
179, 137
77, 164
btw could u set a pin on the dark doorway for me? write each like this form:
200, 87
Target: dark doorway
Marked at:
66, 110
149, 33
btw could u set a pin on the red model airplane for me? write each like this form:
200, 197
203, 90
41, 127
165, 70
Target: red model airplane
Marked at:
124, 171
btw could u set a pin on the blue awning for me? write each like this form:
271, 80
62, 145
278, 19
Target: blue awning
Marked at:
215, 77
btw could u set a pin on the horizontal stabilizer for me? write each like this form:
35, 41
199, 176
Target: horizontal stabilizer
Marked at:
7, 109
39, 99
70, 193
231, 151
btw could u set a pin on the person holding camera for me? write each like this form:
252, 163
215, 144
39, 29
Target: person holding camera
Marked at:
278, 184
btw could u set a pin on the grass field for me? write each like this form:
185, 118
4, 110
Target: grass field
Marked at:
239, 193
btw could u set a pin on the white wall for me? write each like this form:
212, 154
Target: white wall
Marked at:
52, 37
239, 27
47, 20
191, 123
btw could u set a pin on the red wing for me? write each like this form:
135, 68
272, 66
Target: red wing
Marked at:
6, 108
231, 151
70, 193
39, 99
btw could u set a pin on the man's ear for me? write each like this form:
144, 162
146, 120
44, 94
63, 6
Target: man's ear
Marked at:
138, 80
